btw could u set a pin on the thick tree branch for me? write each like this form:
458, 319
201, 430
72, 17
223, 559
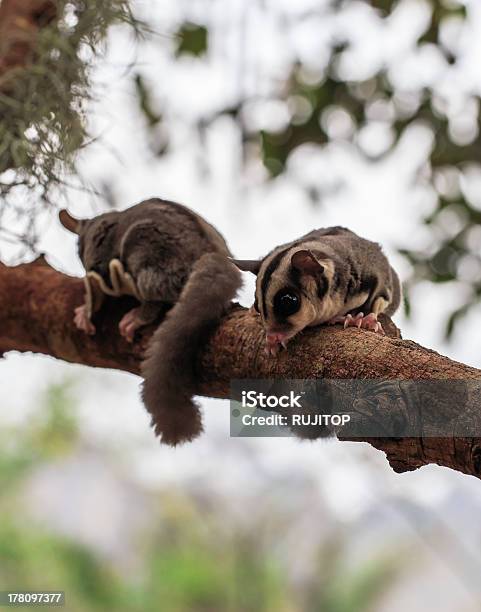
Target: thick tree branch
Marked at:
36, 306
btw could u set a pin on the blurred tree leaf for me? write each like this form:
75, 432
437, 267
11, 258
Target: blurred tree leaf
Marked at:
406, 300
192, 39
454, 317
157, 134
383, 6
144, 98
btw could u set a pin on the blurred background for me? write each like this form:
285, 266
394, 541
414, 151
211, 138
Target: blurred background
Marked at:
269, 118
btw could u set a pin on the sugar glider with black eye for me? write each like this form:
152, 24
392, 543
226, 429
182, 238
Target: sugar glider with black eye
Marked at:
172, 260
330, 275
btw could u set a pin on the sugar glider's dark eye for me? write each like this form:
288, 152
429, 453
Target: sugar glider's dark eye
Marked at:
286, 303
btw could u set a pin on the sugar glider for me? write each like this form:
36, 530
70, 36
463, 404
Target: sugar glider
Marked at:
172, 260
330, 275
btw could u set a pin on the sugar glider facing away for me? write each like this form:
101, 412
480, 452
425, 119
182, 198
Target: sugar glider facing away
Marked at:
330, 275
172, 260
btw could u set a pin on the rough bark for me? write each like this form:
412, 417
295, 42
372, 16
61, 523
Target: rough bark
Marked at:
36, 306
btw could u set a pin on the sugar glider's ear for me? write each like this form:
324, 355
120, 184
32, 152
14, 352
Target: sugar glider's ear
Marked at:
69, 222
305, 262
248, 265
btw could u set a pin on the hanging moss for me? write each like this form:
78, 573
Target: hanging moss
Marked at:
43, 103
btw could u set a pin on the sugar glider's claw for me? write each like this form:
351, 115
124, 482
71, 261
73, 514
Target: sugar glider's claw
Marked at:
350, 321
370, 323
360, 321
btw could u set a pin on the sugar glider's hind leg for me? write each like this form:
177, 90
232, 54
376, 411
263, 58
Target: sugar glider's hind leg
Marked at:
136, 318
155, 298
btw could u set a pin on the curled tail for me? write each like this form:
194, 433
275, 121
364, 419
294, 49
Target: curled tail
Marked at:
169, 369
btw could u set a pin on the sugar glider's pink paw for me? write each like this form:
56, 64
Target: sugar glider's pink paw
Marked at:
130, 323
368, 322
275, 341
82, 320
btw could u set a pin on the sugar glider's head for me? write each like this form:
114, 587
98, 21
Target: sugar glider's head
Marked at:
290, 290
95, 237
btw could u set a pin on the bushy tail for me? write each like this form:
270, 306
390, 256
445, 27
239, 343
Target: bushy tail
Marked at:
169, 369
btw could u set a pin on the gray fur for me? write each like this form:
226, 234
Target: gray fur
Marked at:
179, 262
176, 417
157, 235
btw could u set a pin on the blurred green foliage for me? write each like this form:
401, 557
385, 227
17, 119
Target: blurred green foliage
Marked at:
452, 251
43, 104
351, 590
187, 559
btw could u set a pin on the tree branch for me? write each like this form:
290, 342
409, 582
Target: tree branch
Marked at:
36, 308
